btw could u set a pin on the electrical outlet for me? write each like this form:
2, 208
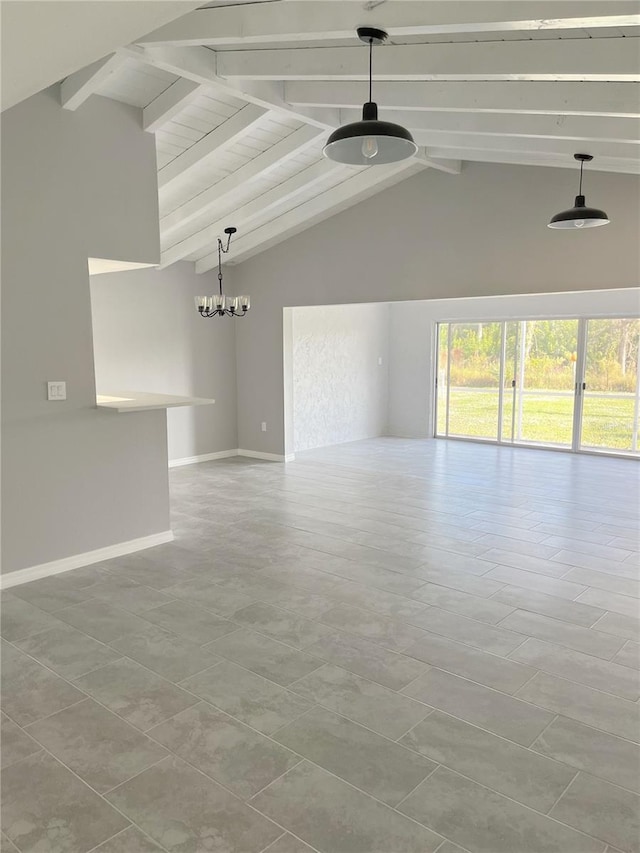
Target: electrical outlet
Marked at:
57, 390
263, 426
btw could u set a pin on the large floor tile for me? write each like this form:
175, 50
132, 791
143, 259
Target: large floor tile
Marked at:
16, 743
490, 670
378, 600
390, 633
490, 760
52, 593
604, 581
585, 669
489, 638
210, 596
481, 609
101, 620
572, 636
332, 816
46, 809
620, 625
464, 582
486, 822
99, 747
188, 813
21, 619
164, 652
612, 601
549, 605
498, 713
259, 703
372, 763
536, 582
600, 710
29, 691
602, 810
131, 840
139, 696
288, 844
629, 655
438, 559
386, 712
280, 624
231, 753
589, 749
264, 656
368, 660
193, 623
68, 652
128, 595
515, 557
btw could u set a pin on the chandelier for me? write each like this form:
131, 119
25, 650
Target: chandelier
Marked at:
220, 305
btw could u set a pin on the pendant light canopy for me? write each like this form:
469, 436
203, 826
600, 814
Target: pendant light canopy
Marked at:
580, 216
370, 142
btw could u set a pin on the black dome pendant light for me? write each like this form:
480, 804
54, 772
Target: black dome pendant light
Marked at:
580, 216
370, 142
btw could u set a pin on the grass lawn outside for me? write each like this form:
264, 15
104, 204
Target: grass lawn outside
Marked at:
547, 417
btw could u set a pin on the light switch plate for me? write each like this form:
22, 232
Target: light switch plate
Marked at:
57, 390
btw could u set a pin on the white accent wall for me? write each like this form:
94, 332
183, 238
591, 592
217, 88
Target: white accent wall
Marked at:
340, 373
148, 336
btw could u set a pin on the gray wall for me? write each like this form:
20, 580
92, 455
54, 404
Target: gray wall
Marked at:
435, 235
74, 185
339, 387
148, 336
412, 333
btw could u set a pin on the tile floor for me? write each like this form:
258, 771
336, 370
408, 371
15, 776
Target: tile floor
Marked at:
384, 647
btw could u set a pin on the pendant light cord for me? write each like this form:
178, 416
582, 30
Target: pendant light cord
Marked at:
220, 265
370, 67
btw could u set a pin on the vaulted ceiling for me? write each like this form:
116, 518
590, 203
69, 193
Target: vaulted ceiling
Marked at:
242, 97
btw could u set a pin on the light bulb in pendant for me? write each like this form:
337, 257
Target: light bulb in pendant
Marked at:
369, 147
579, 223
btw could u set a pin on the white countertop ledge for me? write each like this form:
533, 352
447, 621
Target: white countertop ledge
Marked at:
143, 401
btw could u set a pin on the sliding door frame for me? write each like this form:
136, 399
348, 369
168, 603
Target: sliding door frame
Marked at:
581, 356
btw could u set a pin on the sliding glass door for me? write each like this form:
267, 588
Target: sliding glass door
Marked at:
610, 391
564, 383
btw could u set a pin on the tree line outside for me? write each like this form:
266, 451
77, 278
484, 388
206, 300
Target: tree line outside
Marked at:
549, 353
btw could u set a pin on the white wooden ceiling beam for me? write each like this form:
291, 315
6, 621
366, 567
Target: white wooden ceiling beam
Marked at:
169, 103
263, 164
451, 167
600, 164
531, 145
603, 99
596, 128
75, 89
199, 65
364, 183
316, 21
572, 59
220, 139
302, 183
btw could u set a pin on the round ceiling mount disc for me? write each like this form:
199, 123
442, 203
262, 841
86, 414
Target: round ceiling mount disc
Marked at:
586, 158
371, 34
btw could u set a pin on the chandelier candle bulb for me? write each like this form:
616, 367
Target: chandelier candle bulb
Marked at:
245, 303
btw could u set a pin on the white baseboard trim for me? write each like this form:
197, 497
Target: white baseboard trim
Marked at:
78, 561
204, 457
269, 457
